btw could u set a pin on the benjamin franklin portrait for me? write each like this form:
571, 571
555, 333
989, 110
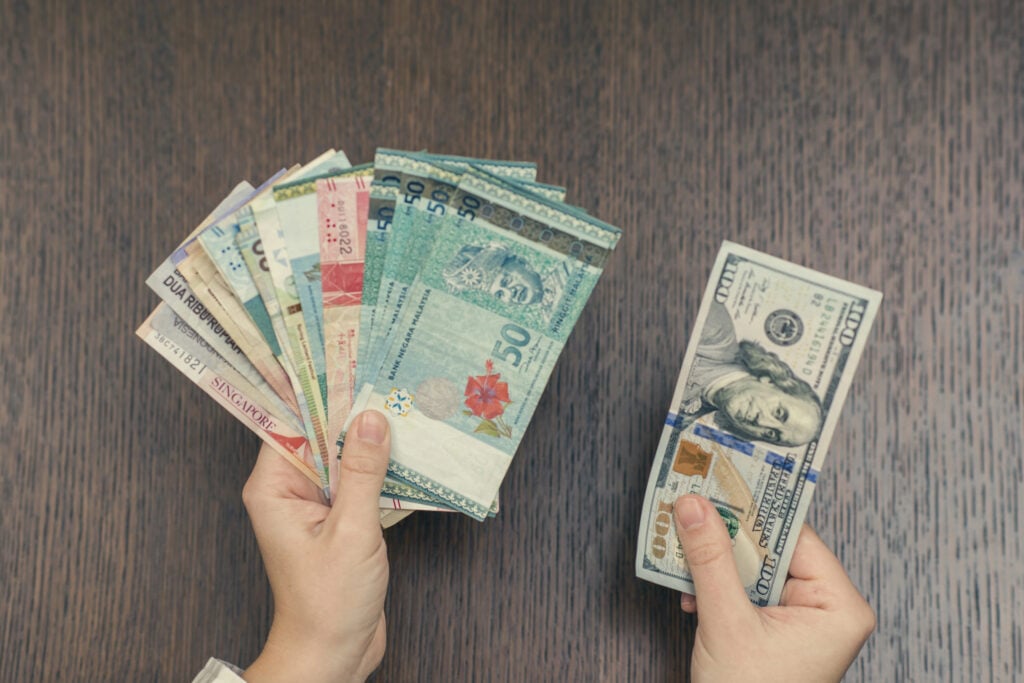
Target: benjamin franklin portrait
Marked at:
751, 391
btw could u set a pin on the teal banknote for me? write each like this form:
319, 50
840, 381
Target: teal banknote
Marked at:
410, 240
487, 317
219, 244
378, 234
384, 195
426, 184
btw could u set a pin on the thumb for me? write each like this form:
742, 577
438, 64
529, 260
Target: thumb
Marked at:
364, 463
708, 549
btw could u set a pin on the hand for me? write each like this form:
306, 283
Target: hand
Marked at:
813, 634
328, 566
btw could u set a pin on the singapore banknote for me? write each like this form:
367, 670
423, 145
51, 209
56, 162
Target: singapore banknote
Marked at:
173, 339
757, 400
186, 350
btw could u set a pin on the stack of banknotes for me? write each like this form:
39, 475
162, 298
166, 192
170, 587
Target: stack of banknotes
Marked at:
755, 406
438, 290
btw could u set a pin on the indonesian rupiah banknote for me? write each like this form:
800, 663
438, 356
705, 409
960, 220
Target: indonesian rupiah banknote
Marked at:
755, 406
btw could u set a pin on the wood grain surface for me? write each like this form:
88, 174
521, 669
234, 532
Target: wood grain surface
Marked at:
881, 142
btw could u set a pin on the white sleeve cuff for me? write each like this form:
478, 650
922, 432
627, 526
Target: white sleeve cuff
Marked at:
217, 671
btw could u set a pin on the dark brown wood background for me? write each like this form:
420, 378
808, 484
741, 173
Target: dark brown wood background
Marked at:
877, 141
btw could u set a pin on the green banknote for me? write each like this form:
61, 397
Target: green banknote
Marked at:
386, 191
487, 316
755, 406
426, 185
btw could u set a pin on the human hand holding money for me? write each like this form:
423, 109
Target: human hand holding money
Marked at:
328, 566
756, 403
438, 289
813, 634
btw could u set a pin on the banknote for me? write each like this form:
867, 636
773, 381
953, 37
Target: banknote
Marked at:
220, 244
761, 387
254, 256
423, 189
296, 343
213, 292
384, 193
299, 217
426, 183
174, 290
488, 315
378, 233
342, 206
173, 327
412, 232
173, 339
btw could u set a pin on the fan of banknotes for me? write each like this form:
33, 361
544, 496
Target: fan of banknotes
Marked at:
438, 290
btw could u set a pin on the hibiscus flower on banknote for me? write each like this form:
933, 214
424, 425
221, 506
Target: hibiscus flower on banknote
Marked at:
486, 397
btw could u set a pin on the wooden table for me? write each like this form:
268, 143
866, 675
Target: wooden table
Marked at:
879, 142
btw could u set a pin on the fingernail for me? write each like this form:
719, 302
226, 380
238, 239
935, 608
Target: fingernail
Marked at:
373, 427
689, 512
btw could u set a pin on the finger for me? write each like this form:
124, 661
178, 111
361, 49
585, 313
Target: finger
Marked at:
708, 553
688, 603
817, 578
812, 559
274, 477
364, 462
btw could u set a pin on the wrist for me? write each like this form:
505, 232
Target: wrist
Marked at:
302, 659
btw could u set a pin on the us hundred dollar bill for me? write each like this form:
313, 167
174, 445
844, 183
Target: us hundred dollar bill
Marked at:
757, 400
